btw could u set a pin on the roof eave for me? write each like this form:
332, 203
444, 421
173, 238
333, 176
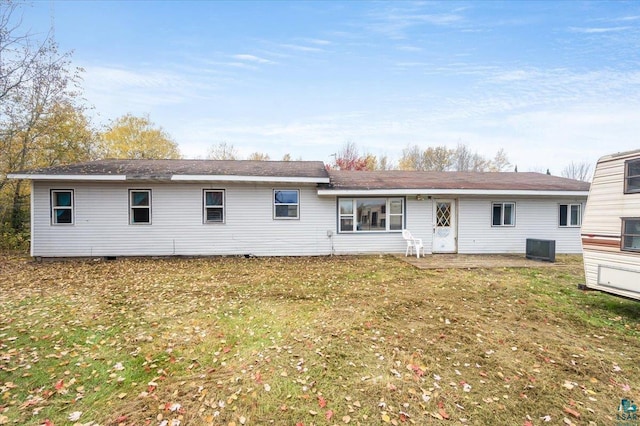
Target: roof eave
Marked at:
236, 178
427, 192
173, 178
67, 177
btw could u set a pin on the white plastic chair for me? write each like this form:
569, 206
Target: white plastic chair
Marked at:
413, 244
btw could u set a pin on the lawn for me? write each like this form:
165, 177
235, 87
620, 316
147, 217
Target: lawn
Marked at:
310, 341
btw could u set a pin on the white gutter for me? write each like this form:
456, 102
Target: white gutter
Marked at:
232, 178
427, 192
67, 177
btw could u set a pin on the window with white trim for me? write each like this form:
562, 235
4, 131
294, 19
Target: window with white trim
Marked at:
370, 214
569, 215
503, 214
140, 206
213, 206
62, 207
631, 234
286, 204
632, 176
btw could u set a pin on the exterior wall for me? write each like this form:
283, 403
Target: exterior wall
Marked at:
617, 273
101, 223
101, 226
606, 267
608, 202
535, 218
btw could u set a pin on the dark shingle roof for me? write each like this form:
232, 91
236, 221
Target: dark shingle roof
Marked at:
165, 169
313, 171
397, 179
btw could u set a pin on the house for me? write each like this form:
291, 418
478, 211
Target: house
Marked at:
207, 207
611, 228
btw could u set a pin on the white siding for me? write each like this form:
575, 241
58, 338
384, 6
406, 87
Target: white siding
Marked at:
102, 227
535, 218
602, 226
607, 201
628, 286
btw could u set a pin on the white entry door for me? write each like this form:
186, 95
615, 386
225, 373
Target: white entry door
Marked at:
444, 227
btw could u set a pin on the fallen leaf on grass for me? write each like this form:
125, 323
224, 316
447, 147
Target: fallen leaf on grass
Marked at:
571, 411
75, 416
443, 413
441, 410
321, 401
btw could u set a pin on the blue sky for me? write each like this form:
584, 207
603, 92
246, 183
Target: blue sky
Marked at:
550, 82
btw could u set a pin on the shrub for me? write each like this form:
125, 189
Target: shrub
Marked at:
14, 240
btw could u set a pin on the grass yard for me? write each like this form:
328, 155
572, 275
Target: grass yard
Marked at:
310, 341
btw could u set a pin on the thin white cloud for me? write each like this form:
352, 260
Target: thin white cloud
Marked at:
410, 48
300, 48
396, 19
252, 58
317, 41
243, 65
598, 30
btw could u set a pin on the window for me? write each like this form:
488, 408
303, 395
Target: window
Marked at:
213, 206
370, 214
631, 234
503, 214
62, 207
570, 215
286, 204
632, 176
139, 206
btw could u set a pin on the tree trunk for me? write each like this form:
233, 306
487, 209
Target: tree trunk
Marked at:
17, 211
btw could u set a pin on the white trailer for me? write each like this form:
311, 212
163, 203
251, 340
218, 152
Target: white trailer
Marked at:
611, 226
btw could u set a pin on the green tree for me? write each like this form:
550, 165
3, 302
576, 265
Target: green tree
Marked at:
67, 137
136, 138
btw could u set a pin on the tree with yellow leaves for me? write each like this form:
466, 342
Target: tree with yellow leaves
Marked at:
131, 137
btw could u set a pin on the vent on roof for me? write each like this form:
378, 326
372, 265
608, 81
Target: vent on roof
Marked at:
541, 249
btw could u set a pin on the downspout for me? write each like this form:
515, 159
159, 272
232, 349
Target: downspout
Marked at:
32, 216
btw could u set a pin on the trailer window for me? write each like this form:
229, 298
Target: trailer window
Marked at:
632, 176
631, 234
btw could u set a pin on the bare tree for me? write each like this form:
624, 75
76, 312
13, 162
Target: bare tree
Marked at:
500, 162
385, 164
34, 79
258, 156
222, 151
578, 171
440, 158
349, 158
412, 159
